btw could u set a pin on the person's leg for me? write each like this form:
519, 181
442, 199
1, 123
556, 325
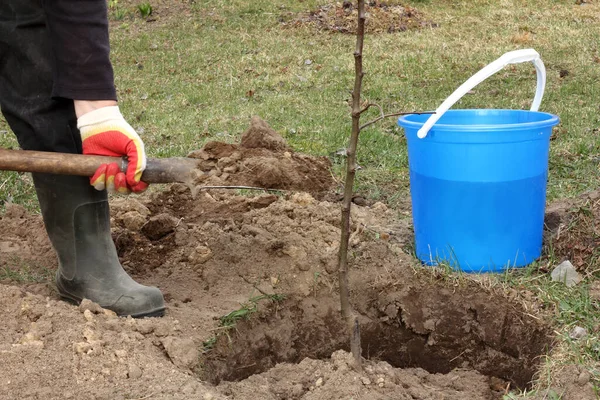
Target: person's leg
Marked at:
76, 216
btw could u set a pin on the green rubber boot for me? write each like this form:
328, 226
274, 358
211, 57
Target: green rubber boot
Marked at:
78, 223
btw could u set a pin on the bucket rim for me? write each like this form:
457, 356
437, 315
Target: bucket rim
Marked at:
552, 120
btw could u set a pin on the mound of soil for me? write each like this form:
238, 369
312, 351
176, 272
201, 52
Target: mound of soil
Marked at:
210, 255
262, 159
382, 17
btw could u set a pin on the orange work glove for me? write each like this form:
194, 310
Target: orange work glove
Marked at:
105, 132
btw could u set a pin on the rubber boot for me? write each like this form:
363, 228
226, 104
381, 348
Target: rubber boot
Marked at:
78, 223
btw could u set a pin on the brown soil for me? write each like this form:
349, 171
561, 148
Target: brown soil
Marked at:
383, 17
573, 231
262, 159
272, 258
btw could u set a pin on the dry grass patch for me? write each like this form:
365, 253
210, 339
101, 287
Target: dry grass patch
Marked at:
382, 17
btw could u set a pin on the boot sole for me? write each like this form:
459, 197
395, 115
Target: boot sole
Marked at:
159, 312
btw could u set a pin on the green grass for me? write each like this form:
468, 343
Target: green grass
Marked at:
21, 271
197, 73
229, 321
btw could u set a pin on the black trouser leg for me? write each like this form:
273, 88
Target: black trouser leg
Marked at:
76, 216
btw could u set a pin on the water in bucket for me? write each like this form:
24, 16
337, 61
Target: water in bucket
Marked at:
478, 179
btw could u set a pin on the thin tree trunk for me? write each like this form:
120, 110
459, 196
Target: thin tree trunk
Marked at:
348, 314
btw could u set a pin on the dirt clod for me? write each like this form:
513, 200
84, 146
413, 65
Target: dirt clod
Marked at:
88, 305
261, 135
182, 352
133, 220
134, 372
262, 159
159, 226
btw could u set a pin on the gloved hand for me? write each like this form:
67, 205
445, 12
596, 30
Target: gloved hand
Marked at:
105, 132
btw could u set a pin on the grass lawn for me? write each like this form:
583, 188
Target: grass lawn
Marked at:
197, 71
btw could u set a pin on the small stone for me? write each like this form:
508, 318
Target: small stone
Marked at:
360, 201
106, 371
208, 396
87, 304
381, 381
200, 255
109, 313
578, 333
366, 381
331, 265
182, 352
134, 372
319, 382
303, 266
29, 337
82, 347
565, 272
121, 354
584, 378
87, 314
145, 327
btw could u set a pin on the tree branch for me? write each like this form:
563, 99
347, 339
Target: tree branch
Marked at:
382, 116
372, 105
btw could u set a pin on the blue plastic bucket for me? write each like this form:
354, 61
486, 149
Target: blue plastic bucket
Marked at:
478, 186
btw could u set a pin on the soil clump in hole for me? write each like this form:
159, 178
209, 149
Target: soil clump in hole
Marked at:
384, 17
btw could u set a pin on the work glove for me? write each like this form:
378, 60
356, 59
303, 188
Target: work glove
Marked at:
105, 132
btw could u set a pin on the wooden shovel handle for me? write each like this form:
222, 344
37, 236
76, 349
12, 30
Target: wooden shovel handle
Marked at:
166, 170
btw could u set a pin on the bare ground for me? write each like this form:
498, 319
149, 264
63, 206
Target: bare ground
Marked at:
273, 257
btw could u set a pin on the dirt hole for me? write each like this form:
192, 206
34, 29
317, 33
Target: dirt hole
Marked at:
430, 327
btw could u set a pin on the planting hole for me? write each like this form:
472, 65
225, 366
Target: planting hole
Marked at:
426, 325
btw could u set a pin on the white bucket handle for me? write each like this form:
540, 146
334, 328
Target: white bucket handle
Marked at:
512, 57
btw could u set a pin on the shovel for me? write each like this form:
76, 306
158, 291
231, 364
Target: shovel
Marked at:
165, 170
